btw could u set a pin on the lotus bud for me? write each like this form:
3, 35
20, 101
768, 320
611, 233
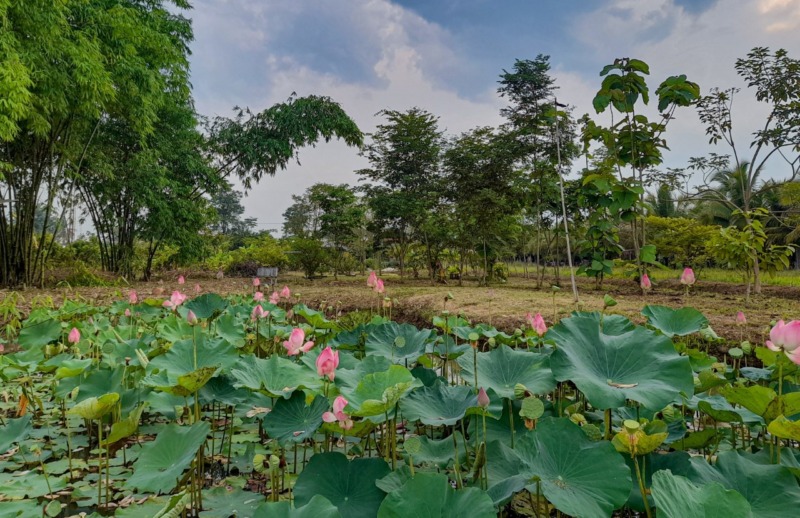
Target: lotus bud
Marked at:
521, 391
483, 399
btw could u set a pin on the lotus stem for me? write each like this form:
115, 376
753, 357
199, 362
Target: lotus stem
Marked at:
642, 487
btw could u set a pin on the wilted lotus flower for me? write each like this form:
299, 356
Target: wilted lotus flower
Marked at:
740, 319
687, 277
258, 296
181, 280
191, 317
338, 414
327, 361
372, 279
175, 300
645, 282
286, 292
294, 345
379, 288
74, 336
786, 338
133, 298
483, 398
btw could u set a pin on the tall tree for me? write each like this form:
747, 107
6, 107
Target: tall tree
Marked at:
341, 215
227, 203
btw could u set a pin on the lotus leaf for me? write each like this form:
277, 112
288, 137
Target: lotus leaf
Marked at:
207, 305
503, 368
677, 497
292, 420
276, 375
675, 322
317, 507
401, 343
438, 405
430, 494
14, 431
379, 392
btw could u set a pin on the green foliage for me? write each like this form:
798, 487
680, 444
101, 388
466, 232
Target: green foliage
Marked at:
680, 241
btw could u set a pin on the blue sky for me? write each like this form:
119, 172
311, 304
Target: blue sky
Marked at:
445, 56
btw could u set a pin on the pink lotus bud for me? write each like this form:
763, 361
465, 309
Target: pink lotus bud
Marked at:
483, 398
74, 336
127, 312
274, 298
286, 292
258, 296
687, 277
258, 312
786, 338
191, 317
379, 288
538, 325
181, 280
645, 282
133, 298
372, 279
294, 345
256, 282
327, 361
741, 319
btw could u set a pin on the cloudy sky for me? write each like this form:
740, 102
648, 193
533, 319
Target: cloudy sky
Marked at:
445, 56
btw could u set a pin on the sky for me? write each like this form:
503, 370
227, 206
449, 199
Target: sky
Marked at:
445, 56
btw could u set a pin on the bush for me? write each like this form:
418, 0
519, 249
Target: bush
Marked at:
680, 241
308, 255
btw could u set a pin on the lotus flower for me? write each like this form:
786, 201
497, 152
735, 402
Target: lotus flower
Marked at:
197, 288
286, 292
537, 323
379, 286
175, 300
258, 296
372, 279
74, 336
133, 298
645, 282
127, 312
181, 280
294, 345
483, 398
338, 414
327, 361
786, 338
274, 298
741, 319
687, 277
258, 312
191, 317
256, 282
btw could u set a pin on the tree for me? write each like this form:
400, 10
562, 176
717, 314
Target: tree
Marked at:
227, 202
774, 78
66, 67
404, 154
341, 214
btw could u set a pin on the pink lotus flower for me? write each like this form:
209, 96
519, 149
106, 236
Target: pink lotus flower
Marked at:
645, 282
258, 312
294, 345
740, 319
327, 361
74, 336
338, 414
379, 288
256, 282
181, 280
372, 279
286, 292
197, 288
483, 398
191, 317
127, 312
274, 298
175, 300
687, 277
537, 323
258, 296
786, 338
133, 298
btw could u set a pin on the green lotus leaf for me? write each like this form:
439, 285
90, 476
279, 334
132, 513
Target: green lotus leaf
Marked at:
401, 343
70, 368
16, 486
317, 507
677, 462
639, 364
771, 490
578, 476
14, 431
223, 502
675, 322
612, 324
348, 485
438, 453
20, 509
502, 368
162, 461
206, 305
348, 377
314, 318
430, 494
277, 376
293, 421
174, 328
230, 328
36, 335
785, 429
379, 392
124, 428
438, 405
95, 407
183, 386
187, 356
677, 497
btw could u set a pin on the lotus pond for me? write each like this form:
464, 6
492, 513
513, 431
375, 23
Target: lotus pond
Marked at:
212, 407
